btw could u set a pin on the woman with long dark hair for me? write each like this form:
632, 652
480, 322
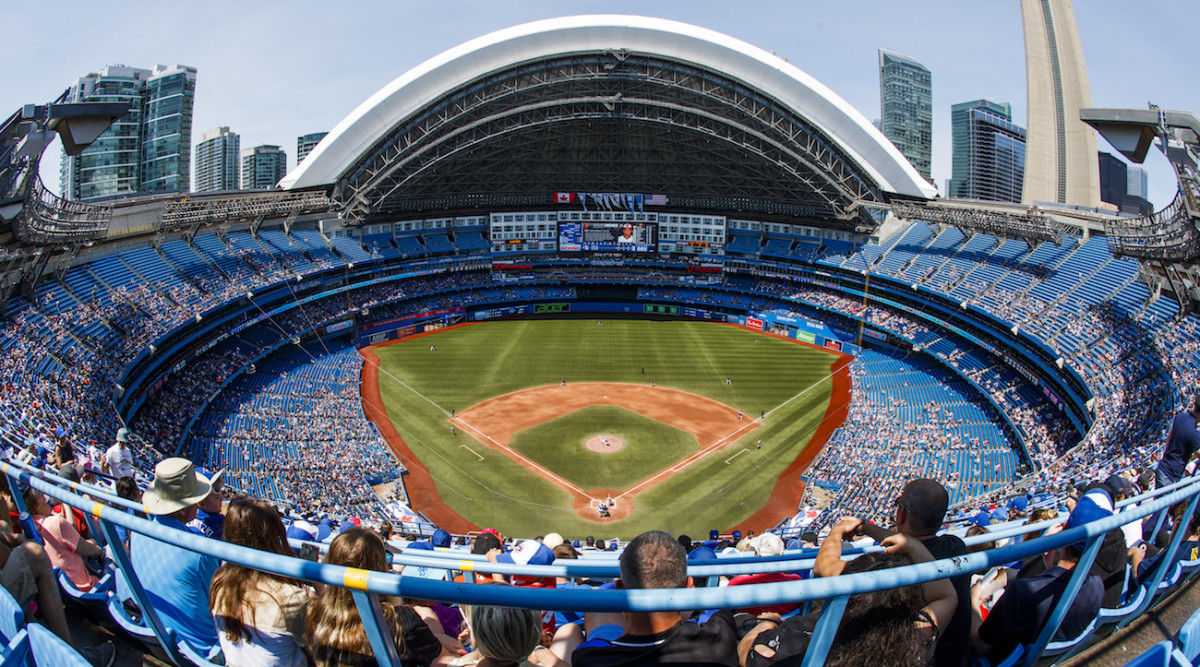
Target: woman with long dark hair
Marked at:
893, 626
259, 616
334, 629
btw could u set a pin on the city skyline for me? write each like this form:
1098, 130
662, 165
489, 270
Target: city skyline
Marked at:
364, 49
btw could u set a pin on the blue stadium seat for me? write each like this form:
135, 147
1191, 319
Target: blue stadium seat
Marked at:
1158, 655
1188, 650
15, 648
50, 651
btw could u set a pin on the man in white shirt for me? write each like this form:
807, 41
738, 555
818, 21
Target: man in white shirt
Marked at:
119, 457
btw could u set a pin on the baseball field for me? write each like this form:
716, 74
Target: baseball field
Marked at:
529, 426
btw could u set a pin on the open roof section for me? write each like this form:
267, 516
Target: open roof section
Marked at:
620, 98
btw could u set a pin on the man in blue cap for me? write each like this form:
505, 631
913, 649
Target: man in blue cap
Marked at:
1018, 616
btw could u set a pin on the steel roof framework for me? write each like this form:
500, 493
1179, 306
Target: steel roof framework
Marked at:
607, 121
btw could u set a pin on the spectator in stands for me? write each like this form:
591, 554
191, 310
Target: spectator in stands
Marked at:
177, 580
209, 521
504, 637
64, 545
894, 626
767, 544
333, 629
654, 560
128, 489
26, 573
919, 513
976, 531
119, 457
1019, 614
1189, 550
63, 454
259, 616
1183, 444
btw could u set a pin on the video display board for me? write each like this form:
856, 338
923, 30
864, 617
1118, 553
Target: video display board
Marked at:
607, 236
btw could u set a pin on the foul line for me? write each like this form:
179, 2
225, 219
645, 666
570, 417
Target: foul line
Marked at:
721, 442
472, 451
735, 456
525, 461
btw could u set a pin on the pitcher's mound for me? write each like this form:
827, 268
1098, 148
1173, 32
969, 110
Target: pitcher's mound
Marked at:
605, 444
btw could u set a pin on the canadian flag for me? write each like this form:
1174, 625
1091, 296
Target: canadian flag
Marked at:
564, 197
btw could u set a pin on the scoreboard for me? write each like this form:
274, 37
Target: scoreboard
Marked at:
608, 236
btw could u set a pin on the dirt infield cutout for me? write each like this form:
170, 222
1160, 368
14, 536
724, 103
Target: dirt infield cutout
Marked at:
605, 444
494, 421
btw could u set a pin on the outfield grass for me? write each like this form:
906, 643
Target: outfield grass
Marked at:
473, 363
560, 445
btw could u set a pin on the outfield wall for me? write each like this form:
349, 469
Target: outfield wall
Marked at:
794, 327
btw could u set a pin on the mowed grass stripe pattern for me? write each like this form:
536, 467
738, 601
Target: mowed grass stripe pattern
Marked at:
471, 364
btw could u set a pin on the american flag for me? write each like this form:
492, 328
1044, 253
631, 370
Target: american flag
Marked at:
656, 200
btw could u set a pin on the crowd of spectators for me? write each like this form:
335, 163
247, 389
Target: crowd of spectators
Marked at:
297, 425
64, 351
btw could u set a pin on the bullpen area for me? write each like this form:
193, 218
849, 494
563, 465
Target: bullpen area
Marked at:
606, 427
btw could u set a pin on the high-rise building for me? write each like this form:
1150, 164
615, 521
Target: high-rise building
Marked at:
1060, 161
263, 167
1123, 185
1137, 182
167, 129
306, 143
217, 161
906, 108
989, 152
147, 150
1114, 180
112, 164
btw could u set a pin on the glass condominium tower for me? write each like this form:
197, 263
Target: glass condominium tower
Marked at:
263, 167
148, 149
217, 160
989, 152
906, 108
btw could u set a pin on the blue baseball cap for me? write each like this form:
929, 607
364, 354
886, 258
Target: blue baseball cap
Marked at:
1093, 506
529, 552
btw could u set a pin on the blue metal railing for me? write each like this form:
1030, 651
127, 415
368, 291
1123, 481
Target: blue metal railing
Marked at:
834, 591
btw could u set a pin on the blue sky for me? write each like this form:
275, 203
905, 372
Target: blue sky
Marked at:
275, 70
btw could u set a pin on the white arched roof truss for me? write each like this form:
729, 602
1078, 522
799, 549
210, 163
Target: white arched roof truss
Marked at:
429, 81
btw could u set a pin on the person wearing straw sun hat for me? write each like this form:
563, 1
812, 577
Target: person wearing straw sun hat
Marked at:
176, 579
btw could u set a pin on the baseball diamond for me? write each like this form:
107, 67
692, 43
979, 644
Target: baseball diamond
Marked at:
528, 394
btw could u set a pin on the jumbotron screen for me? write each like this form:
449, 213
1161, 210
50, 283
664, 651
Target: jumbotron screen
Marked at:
608, 236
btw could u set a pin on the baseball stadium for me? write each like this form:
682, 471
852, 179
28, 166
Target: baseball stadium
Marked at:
592, 277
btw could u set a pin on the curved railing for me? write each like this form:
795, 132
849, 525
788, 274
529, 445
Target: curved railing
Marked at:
835, 591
